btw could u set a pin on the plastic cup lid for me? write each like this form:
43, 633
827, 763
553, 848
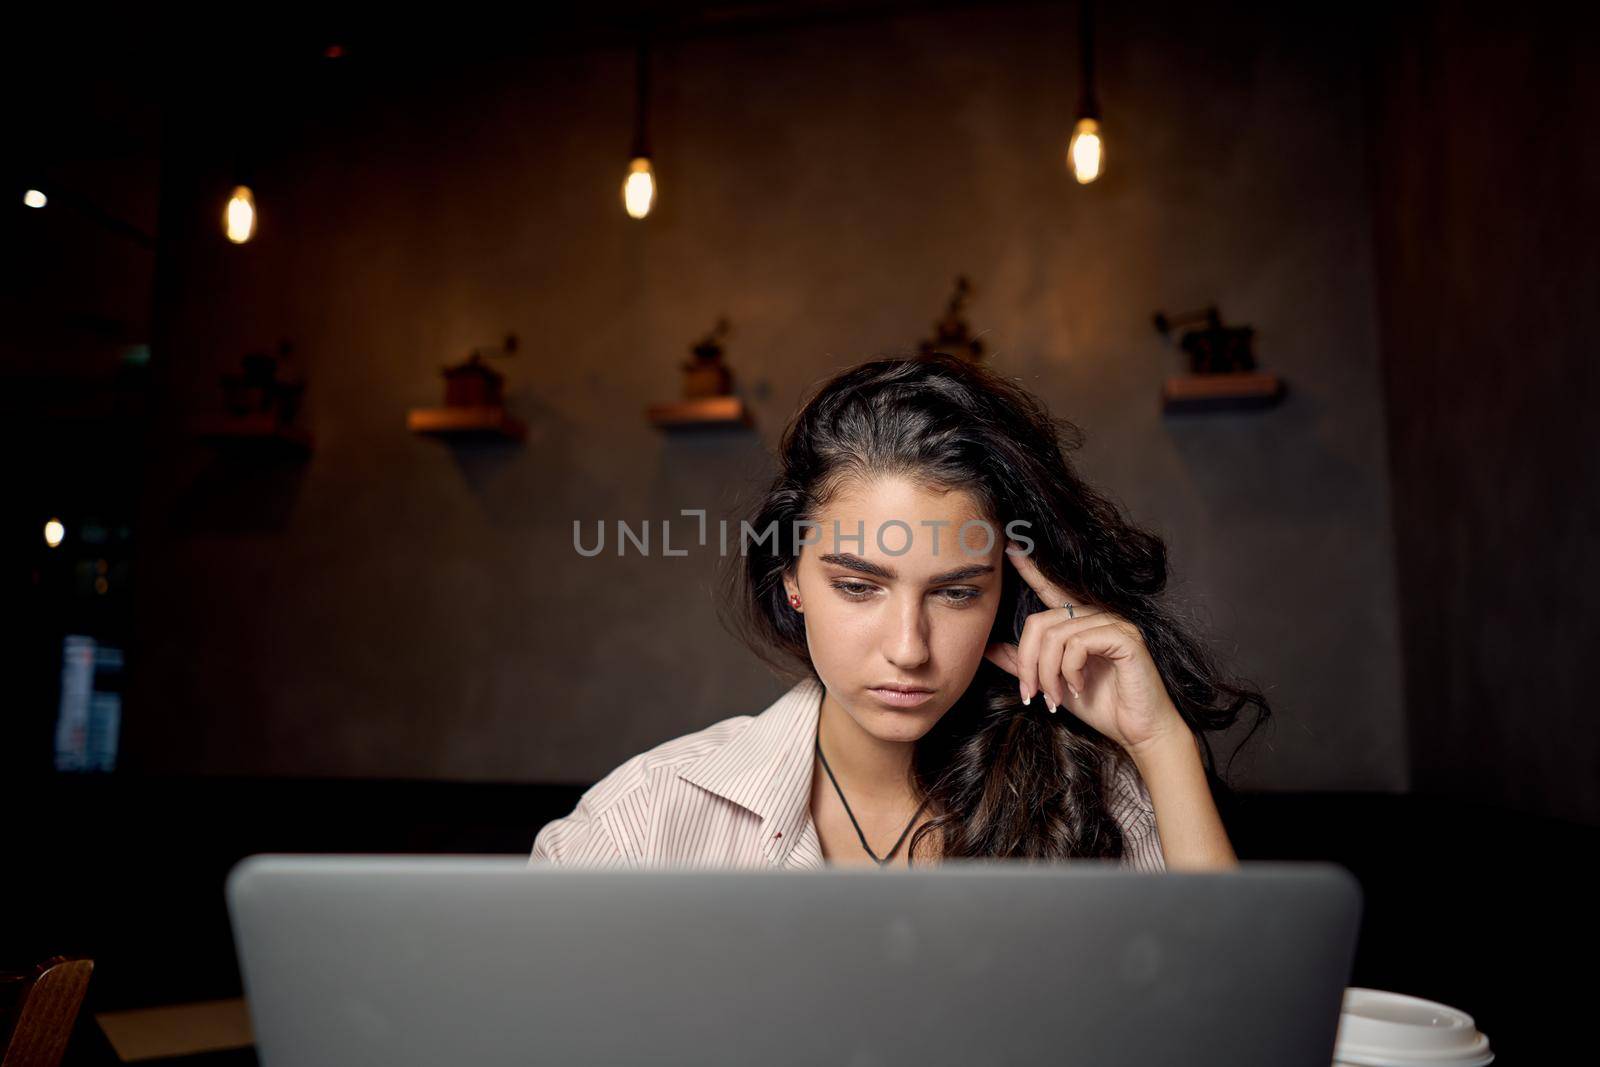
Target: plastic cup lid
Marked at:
1384, 1029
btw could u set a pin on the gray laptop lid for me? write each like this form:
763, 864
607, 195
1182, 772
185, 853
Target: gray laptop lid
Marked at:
484, 960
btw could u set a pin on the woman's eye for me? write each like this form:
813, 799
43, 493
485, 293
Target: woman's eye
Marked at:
860, 591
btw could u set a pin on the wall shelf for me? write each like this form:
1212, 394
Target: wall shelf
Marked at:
482, 422
708, 412
258, 434
1234, 391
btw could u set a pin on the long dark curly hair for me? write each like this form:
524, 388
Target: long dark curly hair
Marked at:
1001, 779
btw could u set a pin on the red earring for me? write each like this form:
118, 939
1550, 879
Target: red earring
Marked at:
794, 600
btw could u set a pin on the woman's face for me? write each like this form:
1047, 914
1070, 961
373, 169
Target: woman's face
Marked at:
921, 618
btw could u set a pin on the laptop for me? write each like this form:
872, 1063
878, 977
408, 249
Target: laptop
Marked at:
484, 960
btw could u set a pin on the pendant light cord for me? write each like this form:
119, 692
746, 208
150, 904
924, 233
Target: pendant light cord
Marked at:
641, 100
1088, 105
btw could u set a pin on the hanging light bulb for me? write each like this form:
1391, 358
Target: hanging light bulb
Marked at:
239, 217
639, 187
34, 198
1086, 151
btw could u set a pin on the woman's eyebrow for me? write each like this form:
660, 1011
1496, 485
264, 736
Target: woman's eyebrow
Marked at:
878, 570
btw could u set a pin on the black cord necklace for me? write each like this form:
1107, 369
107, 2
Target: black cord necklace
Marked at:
885, 860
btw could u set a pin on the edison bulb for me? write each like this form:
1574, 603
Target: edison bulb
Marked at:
639, 188
239, 219
1086, 151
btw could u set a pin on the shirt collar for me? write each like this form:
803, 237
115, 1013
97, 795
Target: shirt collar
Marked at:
767, 767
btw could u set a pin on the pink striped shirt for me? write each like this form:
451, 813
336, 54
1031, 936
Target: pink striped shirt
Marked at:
738, 794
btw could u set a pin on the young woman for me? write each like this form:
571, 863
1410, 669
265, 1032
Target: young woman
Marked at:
985, 669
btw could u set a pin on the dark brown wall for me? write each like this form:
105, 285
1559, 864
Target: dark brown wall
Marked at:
400, 607
1487, 176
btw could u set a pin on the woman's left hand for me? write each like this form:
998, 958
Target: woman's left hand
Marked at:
1090, 661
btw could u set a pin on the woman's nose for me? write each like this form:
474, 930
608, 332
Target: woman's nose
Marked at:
907, 643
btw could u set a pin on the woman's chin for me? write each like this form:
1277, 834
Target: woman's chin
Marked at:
898, 724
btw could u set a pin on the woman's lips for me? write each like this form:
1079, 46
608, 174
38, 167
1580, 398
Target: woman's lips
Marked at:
896, 698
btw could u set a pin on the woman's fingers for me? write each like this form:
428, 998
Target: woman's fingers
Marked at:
1043, 659
1028, 655
1035, 661
1109, 638
1053, 595
1047, 668
1048, 591
1049, 661
1053, 680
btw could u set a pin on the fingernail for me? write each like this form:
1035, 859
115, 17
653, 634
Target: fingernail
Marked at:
1052, 703
1073, 691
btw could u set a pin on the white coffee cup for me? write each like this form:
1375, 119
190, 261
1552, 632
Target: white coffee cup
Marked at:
1382, 1029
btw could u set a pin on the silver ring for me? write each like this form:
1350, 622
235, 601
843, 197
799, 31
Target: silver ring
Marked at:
1070, 615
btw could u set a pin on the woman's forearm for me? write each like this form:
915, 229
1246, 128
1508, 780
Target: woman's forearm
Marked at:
1192, 835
